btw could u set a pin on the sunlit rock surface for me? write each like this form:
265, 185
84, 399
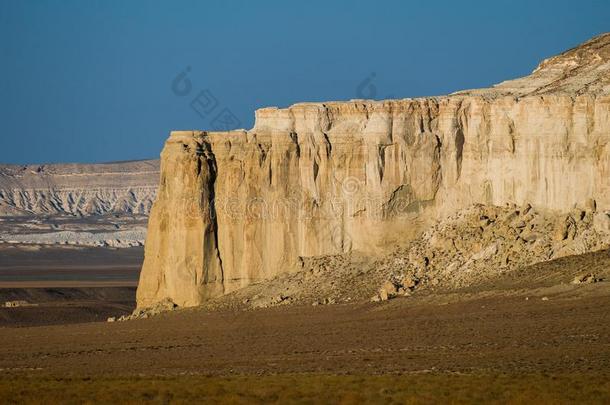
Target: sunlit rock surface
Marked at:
316, 179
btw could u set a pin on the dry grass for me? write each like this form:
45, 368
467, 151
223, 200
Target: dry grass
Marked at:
311, 388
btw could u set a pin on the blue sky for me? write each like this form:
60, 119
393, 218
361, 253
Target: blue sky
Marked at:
91, 81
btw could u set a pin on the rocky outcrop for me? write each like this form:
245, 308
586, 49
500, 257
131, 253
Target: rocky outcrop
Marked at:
318, 179
78, 189
581, 70
134, 236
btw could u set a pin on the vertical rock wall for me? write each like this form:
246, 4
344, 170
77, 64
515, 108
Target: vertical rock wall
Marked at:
314, 179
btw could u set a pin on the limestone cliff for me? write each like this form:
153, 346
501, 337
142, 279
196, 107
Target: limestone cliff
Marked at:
322, 178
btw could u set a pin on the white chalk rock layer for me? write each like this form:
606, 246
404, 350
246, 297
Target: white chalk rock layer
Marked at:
324, 178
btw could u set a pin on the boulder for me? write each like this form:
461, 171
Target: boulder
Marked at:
586, 278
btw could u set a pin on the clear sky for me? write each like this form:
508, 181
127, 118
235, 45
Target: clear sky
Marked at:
91, 81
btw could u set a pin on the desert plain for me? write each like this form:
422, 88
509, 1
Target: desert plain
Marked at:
518, 339
442, 249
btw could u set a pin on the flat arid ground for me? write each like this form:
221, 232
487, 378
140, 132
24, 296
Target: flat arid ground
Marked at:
67, 284
518, 339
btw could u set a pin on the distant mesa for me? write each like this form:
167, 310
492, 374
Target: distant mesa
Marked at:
78, 189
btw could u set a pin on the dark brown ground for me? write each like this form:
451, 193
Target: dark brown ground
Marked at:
62, 305
67, 284
496, 343
503, 348
570, 332
35, 266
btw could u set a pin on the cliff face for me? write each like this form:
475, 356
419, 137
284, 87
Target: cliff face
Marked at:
325, 178
78, 189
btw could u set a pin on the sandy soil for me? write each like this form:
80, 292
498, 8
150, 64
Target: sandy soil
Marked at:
39, 264
568, 332
529, 336
67, 284
65, 305
407, 343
